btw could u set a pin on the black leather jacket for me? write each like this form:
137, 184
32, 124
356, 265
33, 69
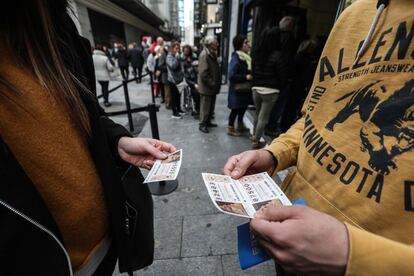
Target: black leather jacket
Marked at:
271, 72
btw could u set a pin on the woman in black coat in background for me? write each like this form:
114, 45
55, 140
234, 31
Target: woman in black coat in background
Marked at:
239, 73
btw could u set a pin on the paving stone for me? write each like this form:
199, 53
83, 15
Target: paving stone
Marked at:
210, 235
187, 266
167, 234
190, 198
231, 267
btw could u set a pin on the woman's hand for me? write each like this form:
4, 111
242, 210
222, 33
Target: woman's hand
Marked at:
142, 152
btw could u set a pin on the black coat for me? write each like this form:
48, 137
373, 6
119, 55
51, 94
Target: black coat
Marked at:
123, 57
136, 57
237, 74
30, 241
271, 71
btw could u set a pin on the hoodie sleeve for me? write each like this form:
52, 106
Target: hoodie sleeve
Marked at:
370, 254
285, 147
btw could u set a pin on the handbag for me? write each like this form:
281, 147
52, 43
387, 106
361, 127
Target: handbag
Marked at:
140, 221
243, 87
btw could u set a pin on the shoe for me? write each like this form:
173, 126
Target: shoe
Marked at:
182, 113
242, 128
232, 131
203, 129
212, 125
176, 116
194, 113
258, 144
107, 104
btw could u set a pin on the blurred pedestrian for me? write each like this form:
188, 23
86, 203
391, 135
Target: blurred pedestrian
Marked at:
161, 73
123, 58
151, 62
288, 46
63, 207
175, 76
240, 77
108, 54
137, 60
209, 82
269, 77
103, 68
305, 63
190, 67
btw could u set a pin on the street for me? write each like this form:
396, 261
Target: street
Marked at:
191, 236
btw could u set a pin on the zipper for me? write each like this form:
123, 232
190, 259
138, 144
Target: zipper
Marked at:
41, 227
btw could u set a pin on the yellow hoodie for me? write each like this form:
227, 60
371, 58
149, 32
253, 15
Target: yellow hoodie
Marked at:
354, 147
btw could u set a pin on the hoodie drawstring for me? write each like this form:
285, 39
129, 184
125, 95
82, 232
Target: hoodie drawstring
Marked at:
381, 5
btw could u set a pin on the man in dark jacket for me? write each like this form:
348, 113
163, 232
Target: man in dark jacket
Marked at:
123, 58
137, 60
209, 82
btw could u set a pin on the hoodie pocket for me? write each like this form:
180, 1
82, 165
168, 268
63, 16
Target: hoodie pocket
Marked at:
296, 186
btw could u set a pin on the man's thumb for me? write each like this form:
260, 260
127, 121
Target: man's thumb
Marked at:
242, 165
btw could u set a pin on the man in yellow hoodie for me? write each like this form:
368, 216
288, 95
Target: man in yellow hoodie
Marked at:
352, 152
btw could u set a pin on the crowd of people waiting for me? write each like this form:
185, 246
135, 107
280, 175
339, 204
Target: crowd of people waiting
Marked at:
275, 77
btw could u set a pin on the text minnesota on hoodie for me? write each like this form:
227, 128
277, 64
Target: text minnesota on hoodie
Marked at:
374, 94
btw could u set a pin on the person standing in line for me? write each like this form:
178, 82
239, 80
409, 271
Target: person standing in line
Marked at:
151, 62
137, 60
175, 76
161, 73
288, 44
305, 63
209, 82
240, 69
123, 58
103, 67
269, 77
190, 67
108, 54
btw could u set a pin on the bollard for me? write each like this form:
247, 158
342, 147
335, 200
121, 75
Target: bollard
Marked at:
152, 87
128, 105
162, 187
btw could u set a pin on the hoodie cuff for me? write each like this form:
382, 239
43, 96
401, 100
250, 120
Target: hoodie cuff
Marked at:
281, 153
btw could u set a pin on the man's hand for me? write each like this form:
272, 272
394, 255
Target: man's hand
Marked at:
250, 162
142, 152
302, 240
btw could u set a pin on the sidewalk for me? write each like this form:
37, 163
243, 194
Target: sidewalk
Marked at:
191, 236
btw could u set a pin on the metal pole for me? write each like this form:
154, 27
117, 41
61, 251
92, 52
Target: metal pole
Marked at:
152, 109
128, 105
152, 87
164, 187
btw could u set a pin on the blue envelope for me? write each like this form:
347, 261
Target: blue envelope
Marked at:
250, 252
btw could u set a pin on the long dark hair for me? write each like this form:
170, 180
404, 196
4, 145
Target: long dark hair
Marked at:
28, 31
268, 42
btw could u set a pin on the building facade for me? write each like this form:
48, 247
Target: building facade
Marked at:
125, 21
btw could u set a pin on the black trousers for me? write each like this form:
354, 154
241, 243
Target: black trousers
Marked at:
137, 72
124, 72
196, 97
104, 86
239, 113
175, 99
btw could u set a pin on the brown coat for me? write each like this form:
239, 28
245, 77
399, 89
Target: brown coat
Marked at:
209, 76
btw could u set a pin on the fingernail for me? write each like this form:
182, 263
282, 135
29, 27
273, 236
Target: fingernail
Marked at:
235, 173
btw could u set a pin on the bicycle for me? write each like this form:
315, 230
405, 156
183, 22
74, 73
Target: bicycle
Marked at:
189, 105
